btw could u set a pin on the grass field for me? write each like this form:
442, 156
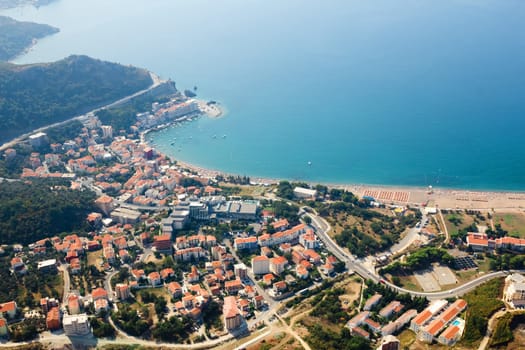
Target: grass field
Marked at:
457, 221
514, 223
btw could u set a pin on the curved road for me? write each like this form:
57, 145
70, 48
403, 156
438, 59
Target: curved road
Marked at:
322, 227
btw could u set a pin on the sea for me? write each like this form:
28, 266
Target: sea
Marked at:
399, 93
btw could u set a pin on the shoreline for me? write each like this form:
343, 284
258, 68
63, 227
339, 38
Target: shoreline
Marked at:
443, 198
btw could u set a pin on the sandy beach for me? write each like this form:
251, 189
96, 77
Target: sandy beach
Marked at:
436, 197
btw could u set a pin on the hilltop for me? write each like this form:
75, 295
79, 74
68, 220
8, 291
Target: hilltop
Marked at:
41, 94
15, 36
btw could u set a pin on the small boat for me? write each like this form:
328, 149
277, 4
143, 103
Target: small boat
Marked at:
214, 136
172, 143
309, 163
224, 136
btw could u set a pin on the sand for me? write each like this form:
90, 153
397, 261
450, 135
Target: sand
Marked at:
439, 198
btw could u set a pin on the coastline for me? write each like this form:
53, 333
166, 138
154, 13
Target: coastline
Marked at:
443, 198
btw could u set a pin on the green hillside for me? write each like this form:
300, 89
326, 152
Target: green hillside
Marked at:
15, 36
33, 96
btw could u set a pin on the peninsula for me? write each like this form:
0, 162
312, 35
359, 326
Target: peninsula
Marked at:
36, 95
17, 37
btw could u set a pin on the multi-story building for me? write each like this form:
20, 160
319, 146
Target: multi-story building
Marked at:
162, 243
372, 301
514, 292
53, 319
278, 264
260, 265
122, 291
8, 309
245, 243
232, 316
76, 325
241, 271
426, 315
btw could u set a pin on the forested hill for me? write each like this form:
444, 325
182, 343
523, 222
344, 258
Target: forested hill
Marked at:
42, 208
15, 36
32, 96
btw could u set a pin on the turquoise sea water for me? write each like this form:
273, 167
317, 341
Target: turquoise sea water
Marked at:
403, 92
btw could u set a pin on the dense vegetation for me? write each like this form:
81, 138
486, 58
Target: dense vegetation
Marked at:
41, 94
482, 303
420, 259
323, 338
506, 324
31, 211
173, 330
127, 319
328, 306
361, 244
15, 36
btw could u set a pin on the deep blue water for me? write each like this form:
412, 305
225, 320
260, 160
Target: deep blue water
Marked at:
403, 92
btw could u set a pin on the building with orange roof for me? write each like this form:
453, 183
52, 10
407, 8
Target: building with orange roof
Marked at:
278, 264
392, 308
307, 265
101, 304
426, 315
3, 327
258, 301
260, 265
280, 225
105, 203
372, 301
297, 257
308, 240
247, 243
138, 274
53, 319
73, 304
231, 314
154, 278
360, 332
233, 287
122, 291
188, 254
175, 289
18, 266
301, 272
244, 305
279, 287
8, 309
428, 333
99, 293
373, 325
167, 273
268, 279
452, 334
313, 256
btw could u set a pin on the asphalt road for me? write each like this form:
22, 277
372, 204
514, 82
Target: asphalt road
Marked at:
322, 227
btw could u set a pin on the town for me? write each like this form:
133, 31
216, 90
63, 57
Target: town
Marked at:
173, 256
